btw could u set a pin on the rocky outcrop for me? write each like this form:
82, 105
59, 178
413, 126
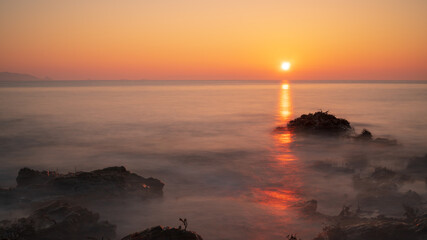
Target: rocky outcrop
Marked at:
380, 228
164, 233
58, 220
107, 182
319, 123
325, 124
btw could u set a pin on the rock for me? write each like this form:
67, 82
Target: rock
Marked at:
377, 229
364, 136
27, 177
107, 182
320, 123
58, 220
323, 123
160, 233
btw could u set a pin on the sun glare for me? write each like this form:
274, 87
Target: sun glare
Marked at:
286, 66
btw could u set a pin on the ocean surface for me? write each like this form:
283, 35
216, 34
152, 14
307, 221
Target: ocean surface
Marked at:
214, 146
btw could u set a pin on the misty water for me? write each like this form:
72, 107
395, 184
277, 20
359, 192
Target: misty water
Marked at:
213, 145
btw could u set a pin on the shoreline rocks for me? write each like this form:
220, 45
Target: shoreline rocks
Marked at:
111, 182
163, 233
58, 220
380, 228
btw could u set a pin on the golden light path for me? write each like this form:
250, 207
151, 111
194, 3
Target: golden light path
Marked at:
284, 164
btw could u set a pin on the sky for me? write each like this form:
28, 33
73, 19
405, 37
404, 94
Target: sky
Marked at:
215, 40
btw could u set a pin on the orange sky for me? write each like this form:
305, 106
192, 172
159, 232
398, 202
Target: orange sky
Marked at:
221, 39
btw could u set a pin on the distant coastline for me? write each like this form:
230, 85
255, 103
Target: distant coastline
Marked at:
9, 76
25, 79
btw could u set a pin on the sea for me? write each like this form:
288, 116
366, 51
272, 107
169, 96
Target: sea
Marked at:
214, 145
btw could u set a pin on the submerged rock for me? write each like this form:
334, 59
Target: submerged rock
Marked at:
58, 220
320, 123
164, 233
112, 182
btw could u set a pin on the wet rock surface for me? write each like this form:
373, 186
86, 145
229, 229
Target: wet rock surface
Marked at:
57, 220
112, 182
164, 233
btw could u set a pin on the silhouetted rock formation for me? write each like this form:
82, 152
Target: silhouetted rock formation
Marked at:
367, 137
323, 123
163, 233
364, 136
320, 123
112, 182
57, 220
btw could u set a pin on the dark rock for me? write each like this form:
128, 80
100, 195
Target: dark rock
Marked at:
323, 123
28, 177
333, 232
346, 212
320, 123
364, 136
58, 220
160, 233
377, 229
112, 182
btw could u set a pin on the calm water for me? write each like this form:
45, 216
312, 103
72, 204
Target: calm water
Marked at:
212, 144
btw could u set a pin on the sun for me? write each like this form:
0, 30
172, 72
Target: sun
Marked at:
286, 66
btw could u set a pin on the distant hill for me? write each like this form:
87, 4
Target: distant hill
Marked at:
7, 76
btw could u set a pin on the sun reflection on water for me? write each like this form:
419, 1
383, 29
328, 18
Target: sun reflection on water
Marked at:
285, 182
